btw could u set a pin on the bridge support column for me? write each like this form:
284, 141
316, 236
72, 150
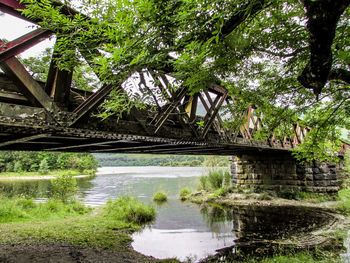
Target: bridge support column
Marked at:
280, 171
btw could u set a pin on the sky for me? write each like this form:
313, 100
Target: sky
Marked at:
12, 27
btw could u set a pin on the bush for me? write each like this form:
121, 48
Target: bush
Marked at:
227, 179
160, 196
87, 163
130, 209
64, 187
184, 193
203, 182
216, 178
44, 167
18, 167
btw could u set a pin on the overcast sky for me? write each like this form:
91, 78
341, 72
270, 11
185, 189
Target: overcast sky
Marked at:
13, 27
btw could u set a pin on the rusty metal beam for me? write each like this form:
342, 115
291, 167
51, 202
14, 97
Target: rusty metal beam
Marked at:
12, 7
93, 101
82, 145
213, 115
139, 148
163, 116
30, 88
25, 139
22, 43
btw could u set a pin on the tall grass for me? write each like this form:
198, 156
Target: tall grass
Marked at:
215, 179
130, 209
184, 193
160, 196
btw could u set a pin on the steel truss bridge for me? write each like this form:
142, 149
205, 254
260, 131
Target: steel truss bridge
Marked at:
55, 116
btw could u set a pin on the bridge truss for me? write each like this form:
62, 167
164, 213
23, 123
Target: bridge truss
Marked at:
47, 116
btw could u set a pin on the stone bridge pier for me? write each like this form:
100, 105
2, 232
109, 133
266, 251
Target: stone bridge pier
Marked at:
280, 171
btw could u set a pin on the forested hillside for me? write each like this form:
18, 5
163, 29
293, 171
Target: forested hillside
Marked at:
158, 160
18, 161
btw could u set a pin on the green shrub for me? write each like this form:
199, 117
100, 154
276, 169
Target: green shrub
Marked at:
160, 196
18, 167
216, 178
64, 187
184, 193
44, 167
227, 179
130, 209
203, 182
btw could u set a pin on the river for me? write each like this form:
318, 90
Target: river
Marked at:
181, 229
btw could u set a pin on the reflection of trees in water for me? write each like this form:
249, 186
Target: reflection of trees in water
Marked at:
28, 189
83, 185
259, 229
219, 219
36, 188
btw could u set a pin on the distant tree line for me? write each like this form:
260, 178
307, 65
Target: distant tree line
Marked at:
20, 161
160, 160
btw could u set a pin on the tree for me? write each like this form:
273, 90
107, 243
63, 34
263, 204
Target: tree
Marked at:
44, 166
87, 162
64, 187
83, 77
289, 58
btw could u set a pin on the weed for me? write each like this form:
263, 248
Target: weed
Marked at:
160, 196
130, 209
203, 182
184, 193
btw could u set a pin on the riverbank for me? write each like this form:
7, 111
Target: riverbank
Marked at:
249, 197
325, 243
73, 233
5, 176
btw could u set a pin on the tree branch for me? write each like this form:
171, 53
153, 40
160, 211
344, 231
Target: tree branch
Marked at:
323, 16
339, 74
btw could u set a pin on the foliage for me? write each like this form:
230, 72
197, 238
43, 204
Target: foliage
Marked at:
18, 161
87, 162
160, 196
64, 187
344, 196
130, 209
271, 54
37, 173
203, 182
43, 167
83, 76
148, 160
216, 161
184, 193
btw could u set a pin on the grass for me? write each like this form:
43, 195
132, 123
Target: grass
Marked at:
21, 210
74, 172
129, 209
215, 179
160, 196
306, 196
301, 257
106, 228
184, 193
344, 206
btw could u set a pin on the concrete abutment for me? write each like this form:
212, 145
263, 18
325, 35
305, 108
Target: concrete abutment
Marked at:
281, 171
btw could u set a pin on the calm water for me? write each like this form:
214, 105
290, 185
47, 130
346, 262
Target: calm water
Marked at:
182, 230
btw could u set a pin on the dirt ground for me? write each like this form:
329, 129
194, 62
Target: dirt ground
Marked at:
61, 253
